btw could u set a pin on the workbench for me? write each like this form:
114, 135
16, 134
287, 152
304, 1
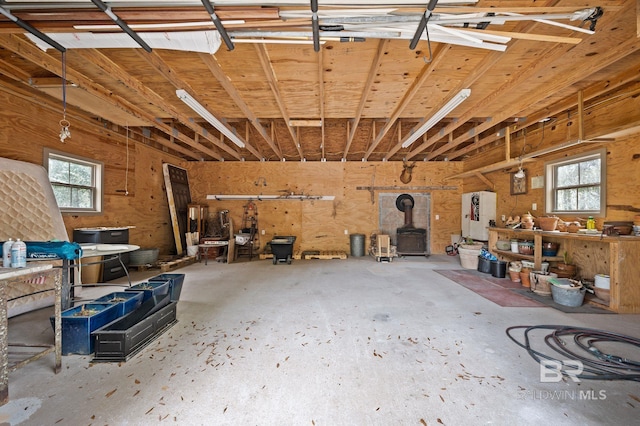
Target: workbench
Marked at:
52, 281
617, 256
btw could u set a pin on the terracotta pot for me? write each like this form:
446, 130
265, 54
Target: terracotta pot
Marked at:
548, 223
524, 278
515, 276
573, 227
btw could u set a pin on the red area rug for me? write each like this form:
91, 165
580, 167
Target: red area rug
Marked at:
498, 290
504, 292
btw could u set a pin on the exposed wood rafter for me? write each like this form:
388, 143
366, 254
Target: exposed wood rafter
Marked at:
382, 46
270, 75
213, 65
438, 56
29, 51
144, 92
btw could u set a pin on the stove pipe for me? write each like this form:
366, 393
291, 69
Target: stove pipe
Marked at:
408, 213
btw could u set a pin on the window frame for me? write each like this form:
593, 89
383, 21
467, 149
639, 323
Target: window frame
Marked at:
550, 168
98, 184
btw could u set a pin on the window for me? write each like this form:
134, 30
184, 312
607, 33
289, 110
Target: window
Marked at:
76, 182
577, 185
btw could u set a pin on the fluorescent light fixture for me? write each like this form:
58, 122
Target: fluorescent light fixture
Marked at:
202, 112
435, 119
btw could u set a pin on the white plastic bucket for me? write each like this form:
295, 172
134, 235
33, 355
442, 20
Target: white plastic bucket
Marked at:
192, 250
602, 281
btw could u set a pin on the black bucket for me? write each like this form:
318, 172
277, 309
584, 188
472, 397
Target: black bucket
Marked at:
484, 265
498, 268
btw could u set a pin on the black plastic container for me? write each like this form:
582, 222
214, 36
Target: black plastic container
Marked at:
282, 249
124, 337
498, 268
484, 264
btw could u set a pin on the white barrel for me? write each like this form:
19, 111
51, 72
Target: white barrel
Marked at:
18, 254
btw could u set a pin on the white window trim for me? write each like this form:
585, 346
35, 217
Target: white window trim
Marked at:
99, 180
549, 182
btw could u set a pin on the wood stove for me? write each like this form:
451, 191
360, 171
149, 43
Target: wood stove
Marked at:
410, 241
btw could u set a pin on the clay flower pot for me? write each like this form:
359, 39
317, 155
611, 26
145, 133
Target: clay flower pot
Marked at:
548, 223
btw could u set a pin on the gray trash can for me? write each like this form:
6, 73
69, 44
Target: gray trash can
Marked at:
357, 245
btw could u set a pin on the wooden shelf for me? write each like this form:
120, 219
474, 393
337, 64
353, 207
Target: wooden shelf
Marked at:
616, 256
532, 233
527, 256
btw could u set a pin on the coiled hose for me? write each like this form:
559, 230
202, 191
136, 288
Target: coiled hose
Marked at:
597, 364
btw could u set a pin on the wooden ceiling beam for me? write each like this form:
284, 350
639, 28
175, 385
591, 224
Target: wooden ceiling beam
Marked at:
267, 68
562, 81
142, 91
213, 65
598, 89
14, 72
438, 56
147, 14
30, 52
76, 116
489, 61
452, 155
528, 36
373, 70
162, 68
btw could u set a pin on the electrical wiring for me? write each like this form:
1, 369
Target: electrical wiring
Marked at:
584, 346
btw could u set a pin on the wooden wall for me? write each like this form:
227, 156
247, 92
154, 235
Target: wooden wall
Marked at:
616, 119
26, 128
321, 225
623, 182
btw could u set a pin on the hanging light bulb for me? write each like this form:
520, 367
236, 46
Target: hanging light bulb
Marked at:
520, 173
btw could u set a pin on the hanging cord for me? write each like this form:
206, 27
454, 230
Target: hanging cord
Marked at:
126, 173
597, 365
64, 124
426, 30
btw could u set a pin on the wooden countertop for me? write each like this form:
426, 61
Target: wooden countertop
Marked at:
577, 236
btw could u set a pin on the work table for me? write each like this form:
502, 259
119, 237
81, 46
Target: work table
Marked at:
615, 255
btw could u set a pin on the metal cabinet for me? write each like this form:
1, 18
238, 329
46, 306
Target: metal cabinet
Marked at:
111, 269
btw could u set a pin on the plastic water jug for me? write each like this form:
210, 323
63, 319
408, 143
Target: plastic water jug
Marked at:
6, 253
18, 254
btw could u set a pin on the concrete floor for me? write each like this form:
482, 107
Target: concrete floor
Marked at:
323, 342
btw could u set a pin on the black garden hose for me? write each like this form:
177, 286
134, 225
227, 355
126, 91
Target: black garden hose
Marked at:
597, 365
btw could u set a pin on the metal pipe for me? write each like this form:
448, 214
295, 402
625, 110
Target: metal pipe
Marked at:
216, 21
19, 22
106, 9
315, 25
